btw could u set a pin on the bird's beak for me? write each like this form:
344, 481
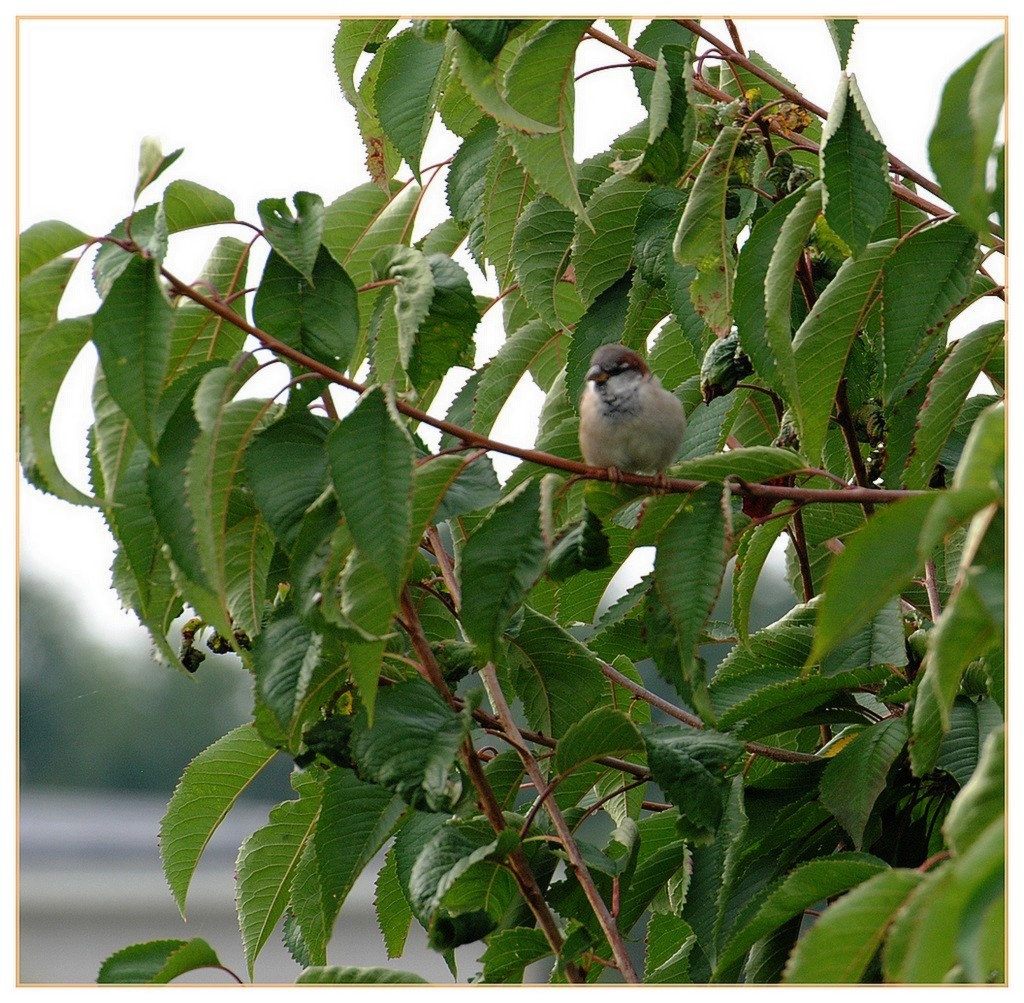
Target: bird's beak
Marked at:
597, 374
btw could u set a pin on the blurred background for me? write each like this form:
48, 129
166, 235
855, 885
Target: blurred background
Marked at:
104, 731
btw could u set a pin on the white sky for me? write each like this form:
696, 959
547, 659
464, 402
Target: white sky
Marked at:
258, 110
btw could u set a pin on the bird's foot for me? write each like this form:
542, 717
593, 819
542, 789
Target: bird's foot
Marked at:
614, 475
661, 484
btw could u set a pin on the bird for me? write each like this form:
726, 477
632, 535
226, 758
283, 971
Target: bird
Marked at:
628, 421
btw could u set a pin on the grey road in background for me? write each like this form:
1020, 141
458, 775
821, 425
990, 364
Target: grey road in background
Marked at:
91, 883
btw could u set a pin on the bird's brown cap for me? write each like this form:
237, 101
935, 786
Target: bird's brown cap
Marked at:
611, 359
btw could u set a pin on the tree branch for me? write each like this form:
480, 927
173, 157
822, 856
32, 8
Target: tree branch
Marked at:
740, 59
518, 863
731, 56
576, 861
471, 438
756, 748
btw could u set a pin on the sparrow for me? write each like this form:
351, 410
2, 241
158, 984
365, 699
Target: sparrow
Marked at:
628, 420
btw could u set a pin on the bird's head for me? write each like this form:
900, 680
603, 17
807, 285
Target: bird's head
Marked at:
611, 361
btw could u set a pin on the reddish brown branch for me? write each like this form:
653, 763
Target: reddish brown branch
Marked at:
471, 438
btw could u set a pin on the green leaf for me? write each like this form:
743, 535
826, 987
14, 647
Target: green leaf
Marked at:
982, 463
807, 884
509, 952
445, 336
947, 394
413, 293
751, 464
778, 291
132, 331
466, 182
671, 121
371, 459
286, 468
318, 315
880, 641
446, 487
841, 30
363, 221
656, 224
480, 77
153, 162
215, 462
657, 34
926, 278
500, 562
187, 205
43, 365
508, 189
557, 678
339, 975
603, 246
823, 341
602, 732
584, 547
459, 852
703, 238
690, 564
201, 336
982, 800
486, 35
142, 575
394, 915
355, 820
354, 35
690, 767
502, 374
266, 865
248, 549
284, 656
208, 789
840, 945
751, 271
295, 237
960, 146
408, 85
412, 746
939, 935
540, 255
856, 775
603, 323
156, 962
669, 943
541, 80
854, 168
965, 631
753, 551
43, 242
881, 558
971, 722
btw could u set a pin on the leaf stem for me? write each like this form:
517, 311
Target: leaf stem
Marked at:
931, 586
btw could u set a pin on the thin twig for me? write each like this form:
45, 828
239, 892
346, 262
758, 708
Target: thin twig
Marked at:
796, 533
931, 586
852, 444
735, 35
489, 804
779, 755
576, 861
